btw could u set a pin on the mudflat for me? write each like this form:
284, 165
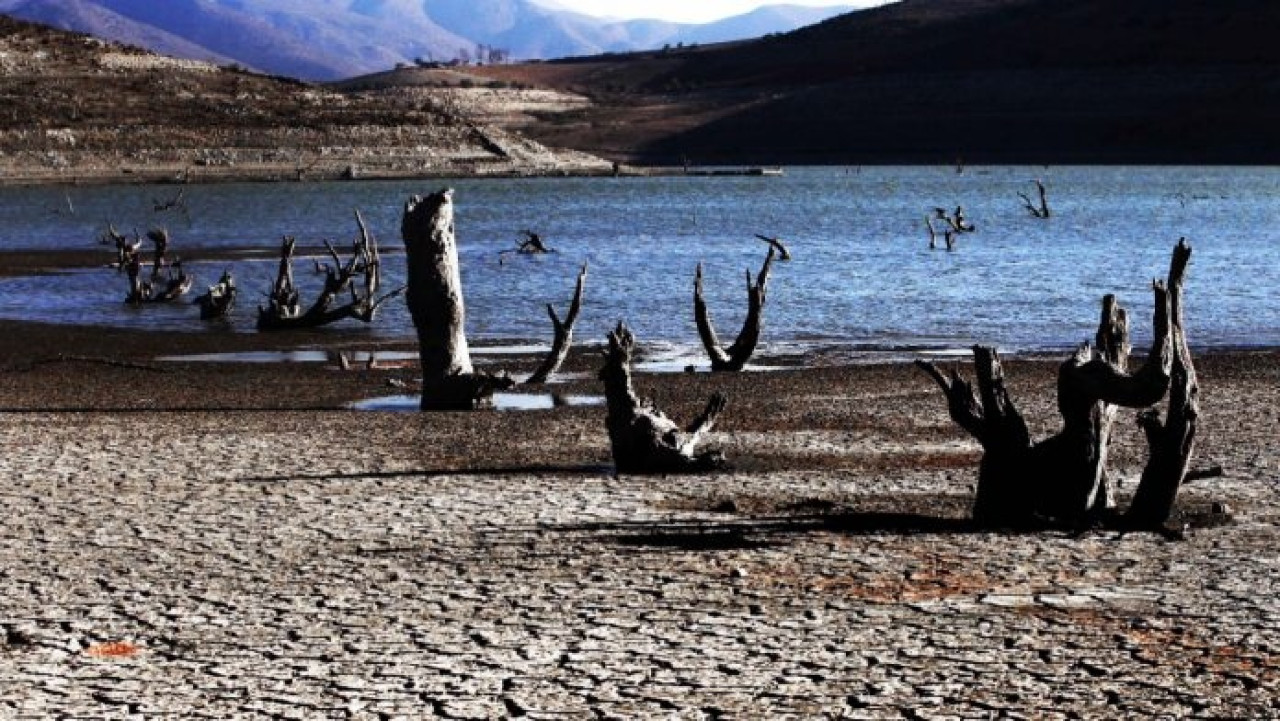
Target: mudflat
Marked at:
228, 540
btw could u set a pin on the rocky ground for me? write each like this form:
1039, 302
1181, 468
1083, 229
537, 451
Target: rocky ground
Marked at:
185, 545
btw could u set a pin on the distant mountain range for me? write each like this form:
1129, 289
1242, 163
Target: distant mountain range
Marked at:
331, 39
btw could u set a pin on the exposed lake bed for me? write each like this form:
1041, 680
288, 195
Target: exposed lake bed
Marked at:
207, 498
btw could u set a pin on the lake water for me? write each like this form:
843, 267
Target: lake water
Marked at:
862, 281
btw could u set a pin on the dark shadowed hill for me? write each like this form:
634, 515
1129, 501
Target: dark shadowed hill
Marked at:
936, 80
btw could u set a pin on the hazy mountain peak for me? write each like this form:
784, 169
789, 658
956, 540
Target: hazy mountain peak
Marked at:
329, 39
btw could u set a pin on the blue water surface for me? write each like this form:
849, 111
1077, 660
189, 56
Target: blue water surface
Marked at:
862, 277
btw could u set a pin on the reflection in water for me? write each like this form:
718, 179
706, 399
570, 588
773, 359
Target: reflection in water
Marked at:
501, 402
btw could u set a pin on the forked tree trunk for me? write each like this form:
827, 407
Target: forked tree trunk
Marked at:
434, 297
1064, 478
644, 440
563, 334
1170, 444
735, 357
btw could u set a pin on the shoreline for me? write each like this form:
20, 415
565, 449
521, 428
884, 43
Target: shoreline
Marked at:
343, 172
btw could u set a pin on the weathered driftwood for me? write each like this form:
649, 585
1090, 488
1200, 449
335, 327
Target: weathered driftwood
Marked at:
644, 440
1064, 478
1170, 444
1040, 211
284, 310
219, 299
949, 231
175, 284
434, 297
735, 357
563, 333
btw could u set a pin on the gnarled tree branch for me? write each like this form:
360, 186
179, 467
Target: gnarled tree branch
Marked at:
563, 333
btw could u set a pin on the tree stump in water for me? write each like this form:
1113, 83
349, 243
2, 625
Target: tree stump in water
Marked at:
284, 310
735, 357
1064, 478
434, 297
644, 440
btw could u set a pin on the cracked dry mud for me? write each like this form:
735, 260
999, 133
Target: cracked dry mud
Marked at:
273, 565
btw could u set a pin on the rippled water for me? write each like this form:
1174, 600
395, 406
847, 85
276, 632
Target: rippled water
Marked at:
863, 277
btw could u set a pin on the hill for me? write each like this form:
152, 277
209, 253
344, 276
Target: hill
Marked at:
936, 80
80, 109
333, 39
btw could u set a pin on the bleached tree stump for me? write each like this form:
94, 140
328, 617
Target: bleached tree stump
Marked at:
434, 297
644, 440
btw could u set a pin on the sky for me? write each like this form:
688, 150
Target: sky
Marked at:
686, 10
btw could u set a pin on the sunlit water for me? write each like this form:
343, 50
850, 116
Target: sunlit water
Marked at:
862, 280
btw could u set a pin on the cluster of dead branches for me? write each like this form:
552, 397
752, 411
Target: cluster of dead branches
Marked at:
166, 281
284, 307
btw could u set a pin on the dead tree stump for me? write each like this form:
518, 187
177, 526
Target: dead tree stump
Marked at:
563, 333
1170, 444
434, 297
220, 298
644, 440
735, 357
1064, 478
284, 310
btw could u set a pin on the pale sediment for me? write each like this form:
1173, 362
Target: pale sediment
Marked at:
303, 564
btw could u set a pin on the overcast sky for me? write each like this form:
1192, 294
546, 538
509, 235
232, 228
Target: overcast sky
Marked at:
686, 10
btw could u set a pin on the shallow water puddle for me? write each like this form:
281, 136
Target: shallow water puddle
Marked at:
501, 402
323, 356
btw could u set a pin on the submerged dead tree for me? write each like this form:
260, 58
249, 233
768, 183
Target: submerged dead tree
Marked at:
284, 308
220, 298
735, 357
166, 282
563, 333
1040, 211
644, 440
1064, 478
434, 297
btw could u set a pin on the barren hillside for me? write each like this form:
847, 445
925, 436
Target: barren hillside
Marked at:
80, 109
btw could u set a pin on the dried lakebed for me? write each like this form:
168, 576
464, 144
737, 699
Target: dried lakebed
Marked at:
330, 564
